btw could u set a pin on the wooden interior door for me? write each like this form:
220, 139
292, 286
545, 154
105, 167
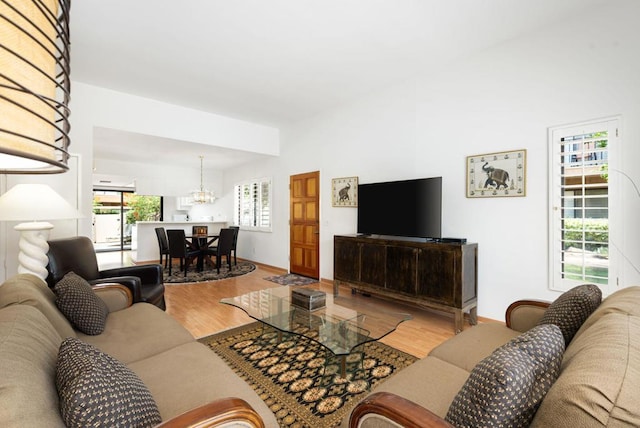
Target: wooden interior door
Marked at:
304, 224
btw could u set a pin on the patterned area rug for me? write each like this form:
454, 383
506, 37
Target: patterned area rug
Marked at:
291, 279
295, 378
208, 274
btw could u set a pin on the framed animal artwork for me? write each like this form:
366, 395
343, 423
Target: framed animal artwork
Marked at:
500, 174
344, 192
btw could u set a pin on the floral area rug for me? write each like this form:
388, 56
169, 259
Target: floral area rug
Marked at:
291, 279
296, 378
208, 274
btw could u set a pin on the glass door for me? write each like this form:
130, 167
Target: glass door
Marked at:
115, 213
109, 216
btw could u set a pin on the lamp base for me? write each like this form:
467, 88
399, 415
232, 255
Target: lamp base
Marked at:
33, 248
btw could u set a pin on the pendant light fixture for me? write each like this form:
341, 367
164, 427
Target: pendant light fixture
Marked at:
202, 196
34, 86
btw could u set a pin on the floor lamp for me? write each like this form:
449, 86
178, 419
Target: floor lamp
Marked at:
34, 204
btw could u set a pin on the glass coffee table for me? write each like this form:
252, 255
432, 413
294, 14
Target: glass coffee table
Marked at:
338, 329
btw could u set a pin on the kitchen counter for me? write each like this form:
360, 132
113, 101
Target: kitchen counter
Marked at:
145, 243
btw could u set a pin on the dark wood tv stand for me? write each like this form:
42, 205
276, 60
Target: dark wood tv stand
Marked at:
434, 275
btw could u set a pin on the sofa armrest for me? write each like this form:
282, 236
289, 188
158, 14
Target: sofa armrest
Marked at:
217, 413
396, 410
131, 282
522, 315
148, 274
116, 296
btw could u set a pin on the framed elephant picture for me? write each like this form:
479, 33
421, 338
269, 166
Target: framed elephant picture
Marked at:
500, 174
344, 192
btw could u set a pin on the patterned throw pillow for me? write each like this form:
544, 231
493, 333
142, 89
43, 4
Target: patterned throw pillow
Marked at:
572, 309
79, 303
506, 388
96, 390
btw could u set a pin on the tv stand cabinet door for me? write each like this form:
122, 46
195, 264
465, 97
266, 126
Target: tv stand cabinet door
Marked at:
437, 274
440, 276
401, 270
346, 259
372, 263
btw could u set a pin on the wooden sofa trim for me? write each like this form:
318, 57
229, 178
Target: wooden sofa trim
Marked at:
521, 303
116, 295
216, 413
403, 412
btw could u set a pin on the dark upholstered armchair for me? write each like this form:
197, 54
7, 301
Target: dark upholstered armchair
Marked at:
78, 255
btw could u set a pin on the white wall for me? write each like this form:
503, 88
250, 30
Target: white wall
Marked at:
66, 185
270, 248
93, 107
98, 107
505, 98
170, 182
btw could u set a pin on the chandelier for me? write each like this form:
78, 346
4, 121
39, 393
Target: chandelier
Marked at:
34, 86
202, 196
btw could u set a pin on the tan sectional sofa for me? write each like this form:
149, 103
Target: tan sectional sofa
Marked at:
180, 373
598, 384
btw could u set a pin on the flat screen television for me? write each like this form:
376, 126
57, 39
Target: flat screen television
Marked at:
407, 208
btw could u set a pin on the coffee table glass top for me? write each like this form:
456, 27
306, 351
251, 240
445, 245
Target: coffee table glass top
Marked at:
335, 327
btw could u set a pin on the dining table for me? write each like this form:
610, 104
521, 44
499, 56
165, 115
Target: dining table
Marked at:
201, 243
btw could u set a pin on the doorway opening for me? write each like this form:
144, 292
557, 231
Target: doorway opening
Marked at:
115, 213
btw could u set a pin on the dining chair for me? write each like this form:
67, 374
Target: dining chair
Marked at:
236, 229
179, 248
225, 242
200, 231
199, 238
163, 245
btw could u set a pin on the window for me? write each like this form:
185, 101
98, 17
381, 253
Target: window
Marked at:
582, 208
252, 205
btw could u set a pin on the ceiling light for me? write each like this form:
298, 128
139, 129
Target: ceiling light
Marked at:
202, 196
34, 86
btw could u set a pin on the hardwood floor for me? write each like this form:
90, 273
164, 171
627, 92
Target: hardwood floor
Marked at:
197, 307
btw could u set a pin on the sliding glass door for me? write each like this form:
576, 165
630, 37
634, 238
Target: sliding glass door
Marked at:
115, 213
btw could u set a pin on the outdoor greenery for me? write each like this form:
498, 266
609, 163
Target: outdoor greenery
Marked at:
604, 169
598, 275
99, 209
596, 234
142, 208
586, 241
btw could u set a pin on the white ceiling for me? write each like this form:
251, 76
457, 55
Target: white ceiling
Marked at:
278, 61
